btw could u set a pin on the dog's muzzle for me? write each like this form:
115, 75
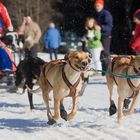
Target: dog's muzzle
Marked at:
83, 66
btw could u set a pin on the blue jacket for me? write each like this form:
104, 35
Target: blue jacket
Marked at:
5, 62
105, 20
52, 38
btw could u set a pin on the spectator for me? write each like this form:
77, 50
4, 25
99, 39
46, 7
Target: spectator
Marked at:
52, 40
32, 34
135, 42
5, 21
6, 61
104, 19
93, 42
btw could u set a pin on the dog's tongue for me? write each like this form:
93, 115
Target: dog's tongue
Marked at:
83, 68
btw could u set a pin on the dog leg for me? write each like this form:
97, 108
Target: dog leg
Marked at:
131, 110
46, 88
30, 95
120, 110
51, 119
46, 100
56, 109
74, 108
63, 112
56, 112
112, 108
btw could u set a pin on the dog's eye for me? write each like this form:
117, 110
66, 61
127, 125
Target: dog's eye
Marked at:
77, 57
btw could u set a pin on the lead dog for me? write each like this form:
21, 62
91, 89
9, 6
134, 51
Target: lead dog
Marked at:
126, 87
64, 78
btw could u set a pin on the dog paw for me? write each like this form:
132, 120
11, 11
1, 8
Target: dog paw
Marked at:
126, 103
64, 115
112, 109
51, 122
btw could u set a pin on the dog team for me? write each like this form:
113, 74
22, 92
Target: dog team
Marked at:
69, 72
72, 71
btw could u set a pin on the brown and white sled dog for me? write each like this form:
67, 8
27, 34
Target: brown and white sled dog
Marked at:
64, 78
126, 87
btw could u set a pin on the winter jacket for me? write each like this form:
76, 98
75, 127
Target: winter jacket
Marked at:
105, 20
31, 32
52, 38
93, 39
135, 42
5, 62
6, 58
5, 21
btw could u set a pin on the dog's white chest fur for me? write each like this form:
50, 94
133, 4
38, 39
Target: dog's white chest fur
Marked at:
71, 75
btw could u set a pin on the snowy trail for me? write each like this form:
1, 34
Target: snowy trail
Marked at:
92, 121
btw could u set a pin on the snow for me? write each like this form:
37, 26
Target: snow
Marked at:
92, 121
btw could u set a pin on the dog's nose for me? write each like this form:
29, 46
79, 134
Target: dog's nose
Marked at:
84, 63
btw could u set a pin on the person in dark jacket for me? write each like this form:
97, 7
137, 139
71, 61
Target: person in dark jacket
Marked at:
105, 21
52, 39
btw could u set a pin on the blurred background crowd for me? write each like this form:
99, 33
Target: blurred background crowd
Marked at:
70, 15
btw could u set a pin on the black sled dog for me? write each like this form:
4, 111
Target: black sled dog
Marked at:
28, 70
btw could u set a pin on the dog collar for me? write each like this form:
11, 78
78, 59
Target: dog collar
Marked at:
73, 67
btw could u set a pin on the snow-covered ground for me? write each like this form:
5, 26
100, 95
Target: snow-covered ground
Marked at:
92, 121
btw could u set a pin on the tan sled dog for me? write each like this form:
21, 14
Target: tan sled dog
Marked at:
63, 77
126, 87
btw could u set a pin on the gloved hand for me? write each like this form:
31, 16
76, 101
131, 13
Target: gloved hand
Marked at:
10, 29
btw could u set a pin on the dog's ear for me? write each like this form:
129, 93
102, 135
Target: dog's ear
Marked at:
132, 57
66, 57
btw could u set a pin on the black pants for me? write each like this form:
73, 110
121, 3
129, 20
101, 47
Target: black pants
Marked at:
55, 51
105, 54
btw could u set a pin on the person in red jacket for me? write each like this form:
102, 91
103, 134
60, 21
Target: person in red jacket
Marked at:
135, 42
5, 25
5, 21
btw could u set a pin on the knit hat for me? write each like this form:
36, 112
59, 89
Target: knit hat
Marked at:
137, 14
99, 2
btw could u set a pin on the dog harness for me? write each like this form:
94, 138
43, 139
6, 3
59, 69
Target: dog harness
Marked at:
52, 63
72, 87
131, 85
62, 62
